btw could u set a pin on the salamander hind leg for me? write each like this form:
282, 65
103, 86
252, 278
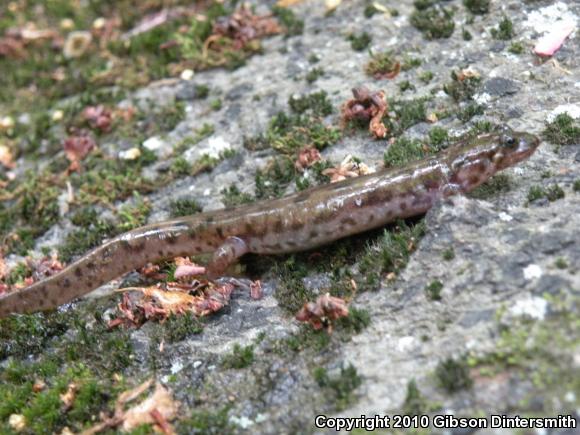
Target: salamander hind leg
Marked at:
232, 249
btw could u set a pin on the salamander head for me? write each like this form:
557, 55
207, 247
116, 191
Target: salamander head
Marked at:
513, 147
475, 162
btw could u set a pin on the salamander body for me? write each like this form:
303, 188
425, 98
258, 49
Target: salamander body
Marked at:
296, 222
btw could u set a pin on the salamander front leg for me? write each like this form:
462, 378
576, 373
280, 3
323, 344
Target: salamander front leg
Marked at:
232, 249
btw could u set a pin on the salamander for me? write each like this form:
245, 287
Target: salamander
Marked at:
297, 222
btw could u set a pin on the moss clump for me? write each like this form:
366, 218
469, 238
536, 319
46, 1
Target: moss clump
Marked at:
292, 24
382, 64
504, 30
551, 193
271, 182
470, 111
201, 91
403, 151
359, 42
241, 357
340, 386
406, 86
389, 254
426, 76
498, 184
466, 35
134, 215
316, 104
576, 186
438, 138
406, 114
434, 22
206, 422
232, 197
201, 133
561, 263
216, 104
416, 403
314, 74
179, 327
462, 87
453, 375
80, 241
516, 48
477, 7
180, 167
448, 254
184, 207
433, 290
356, 321
563, 130
23, 336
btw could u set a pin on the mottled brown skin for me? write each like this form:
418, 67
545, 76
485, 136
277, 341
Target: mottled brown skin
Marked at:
297, 222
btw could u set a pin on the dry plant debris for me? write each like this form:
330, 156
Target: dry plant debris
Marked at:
367, 106
321, 313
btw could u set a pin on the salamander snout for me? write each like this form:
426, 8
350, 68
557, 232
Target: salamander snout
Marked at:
515, 147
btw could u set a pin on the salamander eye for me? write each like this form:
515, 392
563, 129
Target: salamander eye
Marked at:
509, 141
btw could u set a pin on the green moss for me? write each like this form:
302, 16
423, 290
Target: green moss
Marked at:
415, 403
426, 76
424, 4
433, 290
438, 138
18, 273
179, 327
504, 30
576, 185
241, 357
469, 111
382, 64
403, 151
359, 42
201, 91
180, 167
453, 375
406, 114
466, 34
216, 104
370, 10
498, 184
271, 182
314, 74
184, 207
206, 422
23, 336
289, 133
448, 254
201, 133
462, 89
406, 85
516, 48
477, 7
563, 130
32, 210
316, 103
552, 193
286, 17
340, 387
356, 321
561, 263
133, 216
232, 197
410, 63
434, 22
389, 254
80, 241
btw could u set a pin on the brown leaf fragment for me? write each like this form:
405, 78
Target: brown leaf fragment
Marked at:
256, 291
68, 397
306, 158
367, 106
6, 157
158, 410
348, 168
98, 117
77, 147
321, 313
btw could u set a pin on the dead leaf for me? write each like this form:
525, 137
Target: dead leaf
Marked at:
321, 313
68, 397
6, 157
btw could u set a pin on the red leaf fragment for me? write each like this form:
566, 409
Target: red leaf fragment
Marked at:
367, 106
321, 313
